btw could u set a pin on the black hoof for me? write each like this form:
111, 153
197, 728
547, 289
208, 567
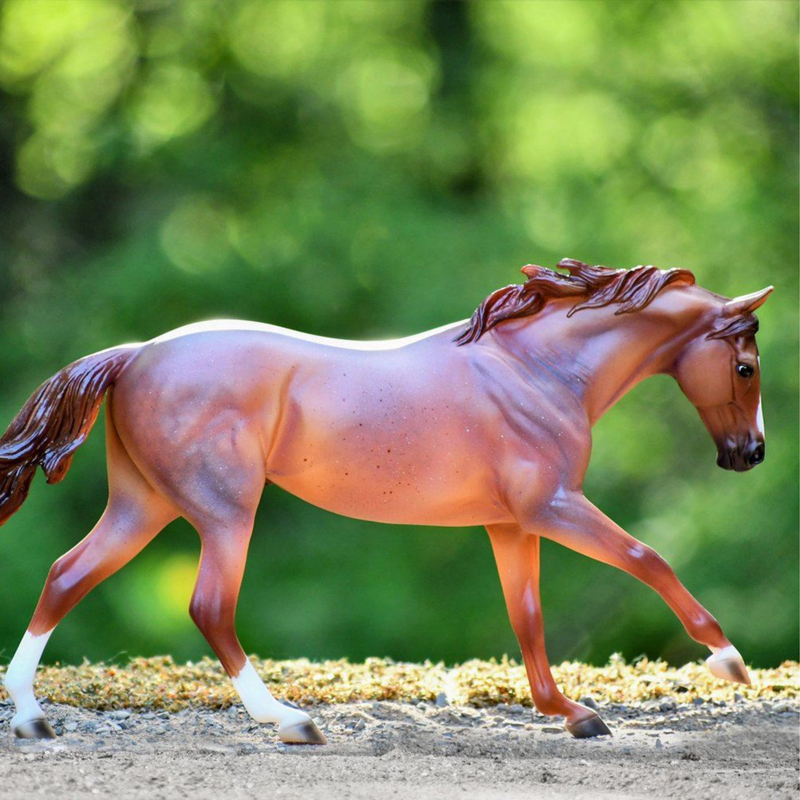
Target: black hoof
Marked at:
302, 733
35, 729
587, 727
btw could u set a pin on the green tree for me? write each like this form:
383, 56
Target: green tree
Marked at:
369, 169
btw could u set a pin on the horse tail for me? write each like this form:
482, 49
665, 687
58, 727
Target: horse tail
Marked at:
54, 422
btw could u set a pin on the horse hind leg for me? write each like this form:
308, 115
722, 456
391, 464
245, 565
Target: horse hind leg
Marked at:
216, 485
213, 609
134, 516
120, 534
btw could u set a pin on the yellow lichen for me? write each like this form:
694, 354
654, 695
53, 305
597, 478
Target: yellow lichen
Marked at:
161, 683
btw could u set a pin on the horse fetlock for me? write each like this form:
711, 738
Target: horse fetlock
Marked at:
28, 710
727, 664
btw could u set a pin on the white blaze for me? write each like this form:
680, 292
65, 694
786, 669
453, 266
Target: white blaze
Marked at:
20, 674
759, 413
760, 419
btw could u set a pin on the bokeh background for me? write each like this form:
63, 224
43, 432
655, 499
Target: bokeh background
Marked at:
368, 169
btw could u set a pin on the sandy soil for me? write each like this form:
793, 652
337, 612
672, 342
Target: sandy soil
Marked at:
697, 750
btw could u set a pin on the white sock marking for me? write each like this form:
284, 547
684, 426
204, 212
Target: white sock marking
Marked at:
259, 702
723, 653
20, 674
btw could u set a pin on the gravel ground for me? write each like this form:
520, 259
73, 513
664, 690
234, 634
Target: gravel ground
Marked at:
660, 749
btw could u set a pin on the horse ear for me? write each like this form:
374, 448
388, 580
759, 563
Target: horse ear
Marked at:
747, 303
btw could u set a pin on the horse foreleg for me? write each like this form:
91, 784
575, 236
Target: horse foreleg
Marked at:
582, 527
517, 556
213, 609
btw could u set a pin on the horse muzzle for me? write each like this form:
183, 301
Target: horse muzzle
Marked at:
741, 456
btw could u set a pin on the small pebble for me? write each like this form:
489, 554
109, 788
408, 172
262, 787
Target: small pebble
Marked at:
441, 700
71, 727
589, 702
121, 714
780, 708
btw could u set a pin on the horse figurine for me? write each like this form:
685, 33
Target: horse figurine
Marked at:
486, 422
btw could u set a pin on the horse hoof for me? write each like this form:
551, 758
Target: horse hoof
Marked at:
587, 727
728, 665
305, 732
35, 729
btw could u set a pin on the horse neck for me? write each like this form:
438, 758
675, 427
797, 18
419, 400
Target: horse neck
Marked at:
598, 356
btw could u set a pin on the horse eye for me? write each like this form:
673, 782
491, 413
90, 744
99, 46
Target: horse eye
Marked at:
745, 370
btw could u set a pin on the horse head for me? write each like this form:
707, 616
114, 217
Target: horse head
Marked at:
719, 372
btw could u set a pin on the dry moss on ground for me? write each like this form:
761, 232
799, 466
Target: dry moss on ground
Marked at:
161, 683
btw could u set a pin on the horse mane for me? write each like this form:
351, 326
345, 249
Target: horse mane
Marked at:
590, 287
741, 325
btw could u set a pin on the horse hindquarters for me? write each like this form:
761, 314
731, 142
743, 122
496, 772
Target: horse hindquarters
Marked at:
207, 460
217, 489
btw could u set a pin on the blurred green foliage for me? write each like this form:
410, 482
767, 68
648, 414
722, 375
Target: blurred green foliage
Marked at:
374, 168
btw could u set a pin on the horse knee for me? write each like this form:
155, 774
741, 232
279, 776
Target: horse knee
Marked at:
65, 579
647, 564
703, 628
526, 623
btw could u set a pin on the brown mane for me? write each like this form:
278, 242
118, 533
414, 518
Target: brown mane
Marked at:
742, 325
591, 287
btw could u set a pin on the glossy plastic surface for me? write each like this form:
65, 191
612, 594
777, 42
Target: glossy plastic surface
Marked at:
487, 423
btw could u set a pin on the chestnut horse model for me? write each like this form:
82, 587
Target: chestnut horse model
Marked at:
480, 423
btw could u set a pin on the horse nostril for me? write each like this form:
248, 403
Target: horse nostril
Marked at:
757, 456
